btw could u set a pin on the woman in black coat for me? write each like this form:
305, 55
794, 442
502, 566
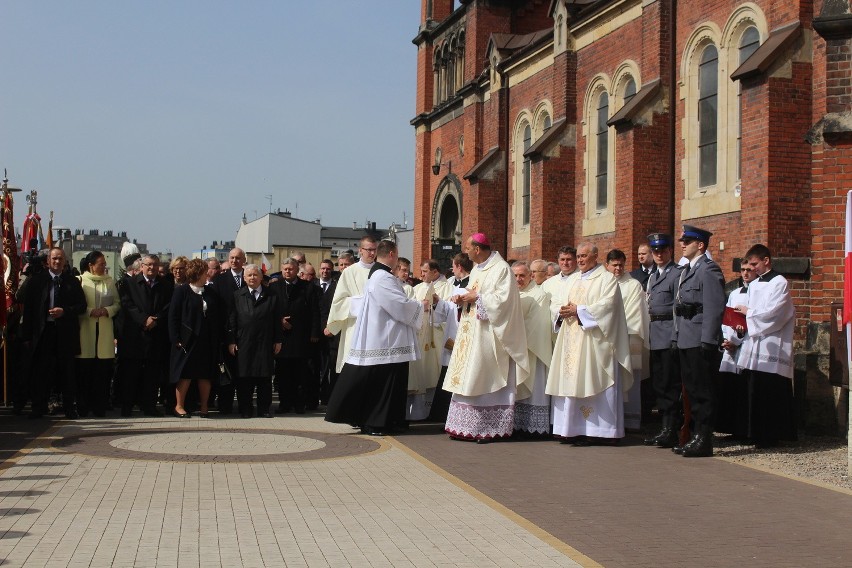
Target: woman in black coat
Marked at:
254, 337
195, 325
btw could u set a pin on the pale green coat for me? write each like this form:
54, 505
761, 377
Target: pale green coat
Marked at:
100, 292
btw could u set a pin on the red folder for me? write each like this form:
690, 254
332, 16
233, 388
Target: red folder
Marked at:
733, 318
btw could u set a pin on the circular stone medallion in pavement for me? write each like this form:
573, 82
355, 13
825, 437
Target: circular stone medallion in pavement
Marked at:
219, 446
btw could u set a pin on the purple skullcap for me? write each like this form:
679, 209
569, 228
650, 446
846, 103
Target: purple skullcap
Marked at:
481, 239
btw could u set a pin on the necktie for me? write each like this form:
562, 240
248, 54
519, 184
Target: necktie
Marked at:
238, 280
55, 291
150, 283
324, 285
256, 294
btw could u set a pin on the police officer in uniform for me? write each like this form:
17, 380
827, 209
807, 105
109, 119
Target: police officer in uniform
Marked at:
665, 365
699, 306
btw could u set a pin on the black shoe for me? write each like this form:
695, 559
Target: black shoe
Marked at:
99, 413
245, 414
300, 411
701, 446
484, 440
266, 415
181, 414
679, 449
372, 431
126, 411
72, 414
581, 442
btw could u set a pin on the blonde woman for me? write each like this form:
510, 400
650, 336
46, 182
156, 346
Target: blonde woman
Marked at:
97, 340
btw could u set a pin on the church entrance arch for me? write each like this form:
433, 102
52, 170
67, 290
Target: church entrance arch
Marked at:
446, 231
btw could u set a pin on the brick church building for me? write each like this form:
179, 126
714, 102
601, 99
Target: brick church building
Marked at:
550, 122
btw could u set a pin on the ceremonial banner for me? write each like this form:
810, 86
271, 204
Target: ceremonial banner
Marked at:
264, 263
11, 260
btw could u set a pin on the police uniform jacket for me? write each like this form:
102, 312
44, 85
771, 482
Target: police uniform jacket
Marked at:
703, 288
662, 288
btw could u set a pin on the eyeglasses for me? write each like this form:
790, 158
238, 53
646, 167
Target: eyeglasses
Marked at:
149, 264
368, 250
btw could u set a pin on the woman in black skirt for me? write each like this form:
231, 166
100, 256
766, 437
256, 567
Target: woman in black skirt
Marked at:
196, 322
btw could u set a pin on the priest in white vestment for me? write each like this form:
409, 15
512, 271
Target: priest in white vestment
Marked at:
766, 356
532, 405
591, 368
554, 287
423, 374
372, 386
351, 283
636, 312
489, 359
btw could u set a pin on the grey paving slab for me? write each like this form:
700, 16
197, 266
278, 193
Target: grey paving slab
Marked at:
100, 493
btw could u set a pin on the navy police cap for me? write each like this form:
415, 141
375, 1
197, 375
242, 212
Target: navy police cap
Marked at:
659, 240
694, 233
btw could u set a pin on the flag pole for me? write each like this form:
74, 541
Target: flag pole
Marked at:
847, 319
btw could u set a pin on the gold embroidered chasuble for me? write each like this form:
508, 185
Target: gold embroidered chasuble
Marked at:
491, 334
340, 319
636, 312
535, 305
425, 372
583, 362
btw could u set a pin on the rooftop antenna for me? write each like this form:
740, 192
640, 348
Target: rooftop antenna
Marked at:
269, 197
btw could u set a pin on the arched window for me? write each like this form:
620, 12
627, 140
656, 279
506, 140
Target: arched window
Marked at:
708, 117
602, 146
749, 42
526, 181
629, 90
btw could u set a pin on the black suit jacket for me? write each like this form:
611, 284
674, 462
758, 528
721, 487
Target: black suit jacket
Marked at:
300, 301
225, 286
188, 322
254, 327
642, 276
138, 302
36, 301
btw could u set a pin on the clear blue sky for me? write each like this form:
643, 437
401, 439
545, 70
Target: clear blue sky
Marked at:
171, 119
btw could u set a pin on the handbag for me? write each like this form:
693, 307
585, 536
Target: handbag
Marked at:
224, 375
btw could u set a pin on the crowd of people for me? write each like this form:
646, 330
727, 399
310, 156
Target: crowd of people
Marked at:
528, 348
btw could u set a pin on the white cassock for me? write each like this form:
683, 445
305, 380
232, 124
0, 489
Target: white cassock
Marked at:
532, 406
771, 319
386, 323
554, 289
489, 356
636, 312
590, 368
738, 297
423, 374
340, 318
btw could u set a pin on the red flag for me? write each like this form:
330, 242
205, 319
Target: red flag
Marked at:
32, 229
847, 272
11, 260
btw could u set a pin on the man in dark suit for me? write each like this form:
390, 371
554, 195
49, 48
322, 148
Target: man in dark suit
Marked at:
646, 265
254, 338
225, 285
329, 373
665, 365
299, 303
699, 306
52, 299
144, 338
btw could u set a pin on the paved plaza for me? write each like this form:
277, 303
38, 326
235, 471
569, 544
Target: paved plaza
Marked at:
297, 491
